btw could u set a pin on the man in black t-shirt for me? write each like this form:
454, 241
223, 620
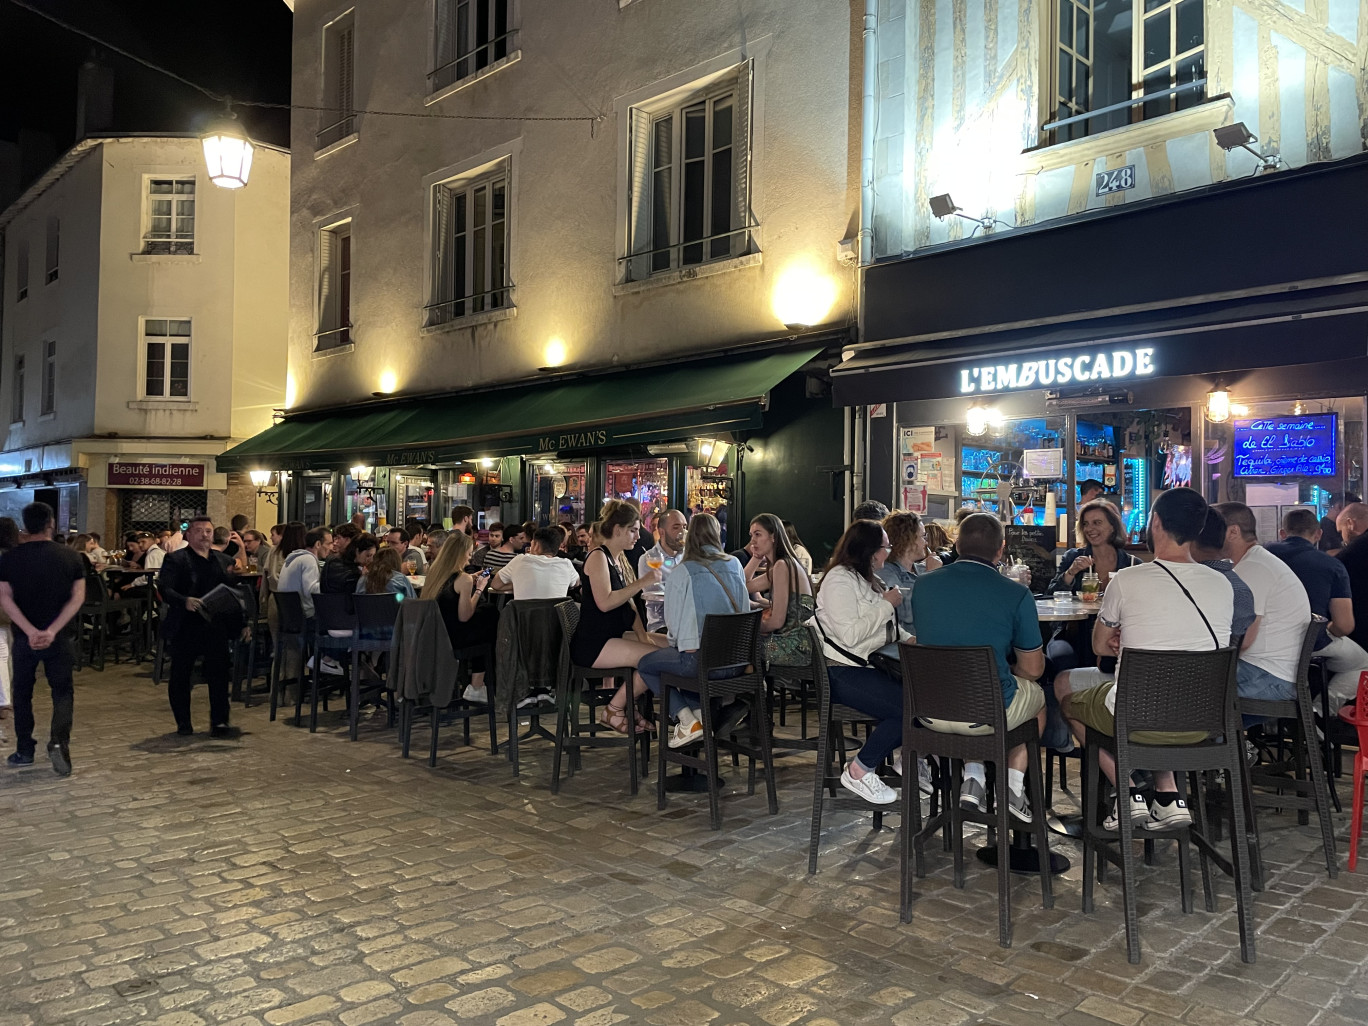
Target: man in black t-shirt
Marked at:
42, 586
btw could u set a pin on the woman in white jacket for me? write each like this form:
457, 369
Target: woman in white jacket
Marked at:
856, 617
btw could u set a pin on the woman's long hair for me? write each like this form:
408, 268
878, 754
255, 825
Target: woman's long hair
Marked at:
856, 549
450, 561
703, 543
1118, 537
361, 543
292, 537
384, 566
783, 545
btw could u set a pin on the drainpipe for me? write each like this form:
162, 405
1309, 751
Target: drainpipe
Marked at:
870, 110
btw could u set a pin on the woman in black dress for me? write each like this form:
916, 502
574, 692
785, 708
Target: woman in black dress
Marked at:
458, 594
607, 611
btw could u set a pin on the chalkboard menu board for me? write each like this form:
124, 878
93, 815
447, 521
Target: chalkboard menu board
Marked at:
1286, 446
1034, 546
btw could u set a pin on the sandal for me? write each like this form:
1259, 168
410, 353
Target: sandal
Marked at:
614, 718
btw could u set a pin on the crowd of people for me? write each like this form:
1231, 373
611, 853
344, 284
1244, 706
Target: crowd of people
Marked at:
644, 596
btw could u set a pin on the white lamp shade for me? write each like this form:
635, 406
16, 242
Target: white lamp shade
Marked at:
976, 420
1218, 406
227, 154
261, 478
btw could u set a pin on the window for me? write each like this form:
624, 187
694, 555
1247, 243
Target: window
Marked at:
54, 239
21, 271
338, 117
469, 35
170, 218
166, 359
17, 416
49, 403
1101, 61
334, 286
470, 247
690, 178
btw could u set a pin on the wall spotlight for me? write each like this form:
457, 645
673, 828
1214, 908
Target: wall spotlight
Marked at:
943, 206
1238, 137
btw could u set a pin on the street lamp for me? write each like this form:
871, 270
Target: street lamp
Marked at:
227, 152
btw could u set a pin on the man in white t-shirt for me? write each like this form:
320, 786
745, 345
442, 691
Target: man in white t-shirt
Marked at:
1144, 608
538, 573
1268, 664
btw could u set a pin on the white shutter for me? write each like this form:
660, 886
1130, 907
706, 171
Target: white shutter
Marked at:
444, 34
639, 217
327, 272
741, 159
344, 77
441, 253
54, 238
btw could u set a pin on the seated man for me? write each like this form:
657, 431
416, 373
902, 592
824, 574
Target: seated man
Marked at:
968, 603
1327, 588
1352, 524
1268, 666
538, 573
1208, 548
1145, 607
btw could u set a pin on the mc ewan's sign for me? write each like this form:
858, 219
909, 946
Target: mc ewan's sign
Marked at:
572, 440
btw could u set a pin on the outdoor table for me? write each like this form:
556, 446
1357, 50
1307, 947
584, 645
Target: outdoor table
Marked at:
417, 580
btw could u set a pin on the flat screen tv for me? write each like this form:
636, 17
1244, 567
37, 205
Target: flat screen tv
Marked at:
1286, 446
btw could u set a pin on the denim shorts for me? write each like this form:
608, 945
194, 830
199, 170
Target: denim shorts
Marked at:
1259, 685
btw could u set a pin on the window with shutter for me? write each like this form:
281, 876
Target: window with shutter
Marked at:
17, 403
334, 287
337, 120
21, 270
49, 403
54, 241
470, 247
469, 36
690, 179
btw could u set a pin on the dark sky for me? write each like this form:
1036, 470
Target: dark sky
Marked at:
240, 47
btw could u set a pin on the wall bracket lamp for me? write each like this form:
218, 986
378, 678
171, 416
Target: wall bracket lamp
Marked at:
1238, 137
943, 206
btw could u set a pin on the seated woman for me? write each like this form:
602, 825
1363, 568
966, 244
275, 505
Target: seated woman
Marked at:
607, 611
774, 567
458, 596
383, 576
856, 617
907, 538
706, 581
938, 547
342, 570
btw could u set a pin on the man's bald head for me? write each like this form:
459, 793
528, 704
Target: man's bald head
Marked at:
1352, 521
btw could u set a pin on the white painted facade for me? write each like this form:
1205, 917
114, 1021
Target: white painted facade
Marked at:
965, 86
569, 186
109, 298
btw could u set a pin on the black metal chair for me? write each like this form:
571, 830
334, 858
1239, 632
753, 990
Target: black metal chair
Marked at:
1306, 795
332, 613
962, 685
534, 619
833, 720
375, 616
291, 636
583, 687
730, 644
458, 707
1172, 692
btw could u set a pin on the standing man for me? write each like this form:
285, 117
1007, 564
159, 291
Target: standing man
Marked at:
1089, 490
187, 576
42, 586
1352, 524
463, 519
670, 527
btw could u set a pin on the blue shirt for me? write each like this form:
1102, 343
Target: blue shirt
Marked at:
969, 603
1323, 576
1244, 598
893, 575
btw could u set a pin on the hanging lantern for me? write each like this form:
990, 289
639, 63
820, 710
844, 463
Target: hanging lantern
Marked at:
1218, 405
227, 153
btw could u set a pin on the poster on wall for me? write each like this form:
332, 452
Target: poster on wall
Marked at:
931, 469
913, 489
917, 440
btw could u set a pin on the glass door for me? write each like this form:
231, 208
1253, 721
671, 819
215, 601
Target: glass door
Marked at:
559, 491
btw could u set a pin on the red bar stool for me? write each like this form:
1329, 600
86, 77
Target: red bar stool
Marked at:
1357, 715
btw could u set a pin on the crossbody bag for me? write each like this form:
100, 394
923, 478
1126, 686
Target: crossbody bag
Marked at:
1195, 606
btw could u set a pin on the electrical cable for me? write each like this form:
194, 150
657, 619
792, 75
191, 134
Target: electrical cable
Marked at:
223, 98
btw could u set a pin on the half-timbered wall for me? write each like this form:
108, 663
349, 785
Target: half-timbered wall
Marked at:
960, 109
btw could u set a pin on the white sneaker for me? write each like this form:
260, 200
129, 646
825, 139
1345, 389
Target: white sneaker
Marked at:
533, 698
474, 694
869, 787
332, 666
1139, 813
681, 736
1168, 817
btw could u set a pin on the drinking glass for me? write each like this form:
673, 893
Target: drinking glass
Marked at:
654, 562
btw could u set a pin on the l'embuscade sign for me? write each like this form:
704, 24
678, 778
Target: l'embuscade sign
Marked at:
1102, 365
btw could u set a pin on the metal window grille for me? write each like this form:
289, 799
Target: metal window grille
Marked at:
152, 511
470, 257
468, 36
170, 227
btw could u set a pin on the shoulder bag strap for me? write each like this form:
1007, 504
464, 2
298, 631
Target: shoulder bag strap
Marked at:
707, 565
1195, 606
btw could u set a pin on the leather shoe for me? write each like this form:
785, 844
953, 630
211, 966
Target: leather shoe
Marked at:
185, 730
224, 731
20, 759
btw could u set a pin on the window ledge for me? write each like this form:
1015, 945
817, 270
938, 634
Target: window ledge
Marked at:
1202, 118
474, 320
626, 288
16, 423
48, 416
163, 404
455, 87
165, 258
318, 354
342, 143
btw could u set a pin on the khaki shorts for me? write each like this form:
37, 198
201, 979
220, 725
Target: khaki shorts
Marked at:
1027, 703
1088, 705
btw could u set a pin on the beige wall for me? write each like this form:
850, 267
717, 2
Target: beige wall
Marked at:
578, 58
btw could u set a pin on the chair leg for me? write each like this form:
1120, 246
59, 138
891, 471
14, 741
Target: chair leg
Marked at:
354, 717
957, 824
1238, 852
1042, 835
1004, 862
1320, 790
710, 760
819, 782
405, 727
663, 721
760, 724
1128, 868
1090, 801
275, 678
1356, 816
434, 715
910, 829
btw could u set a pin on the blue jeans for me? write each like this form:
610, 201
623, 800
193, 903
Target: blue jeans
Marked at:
878, 695
675, 663
1059, 656
1259, 685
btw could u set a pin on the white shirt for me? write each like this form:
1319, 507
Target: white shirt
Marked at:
1283, 609
1153, 613
155, 558
539, 577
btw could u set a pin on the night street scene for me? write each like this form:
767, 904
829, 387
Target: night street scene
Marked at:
683, 512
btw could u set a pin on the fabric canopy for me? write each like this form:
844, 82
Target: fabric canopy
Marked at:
633, 407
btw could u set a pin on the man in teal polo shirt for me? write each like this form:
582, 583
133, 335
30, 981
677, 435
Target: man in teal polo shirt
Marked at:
968, 603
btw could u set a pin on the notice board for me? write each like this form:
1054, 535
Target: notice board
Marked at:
1034, 545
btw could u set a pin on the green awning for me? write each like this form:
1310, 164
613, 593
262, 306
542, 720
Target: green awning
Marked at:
633, 407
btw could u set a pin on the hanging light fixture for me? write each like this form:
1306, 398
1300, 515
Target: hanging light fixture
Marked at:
1298, 408
1218, 405
976, 420
227, 152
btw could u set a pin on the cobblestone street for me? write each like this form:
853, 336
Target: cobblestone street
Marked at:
288, 878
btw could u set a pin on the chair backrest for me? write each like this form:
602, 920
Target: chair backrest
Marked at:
567, 612
290, 611
1176, 691
953, 683
729, 639
100, 591
334, 613
376, 612
247, 592
1314, 630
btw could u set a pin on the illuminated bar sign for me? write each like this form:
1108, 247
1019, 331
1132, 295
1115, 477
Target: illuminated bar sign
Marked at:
1285, 447
1104, 365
